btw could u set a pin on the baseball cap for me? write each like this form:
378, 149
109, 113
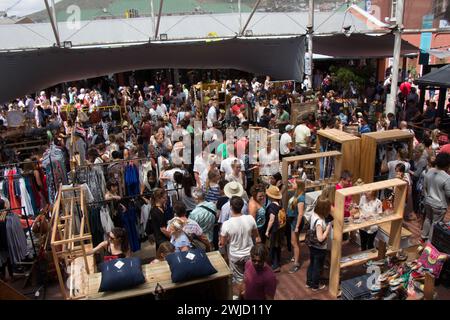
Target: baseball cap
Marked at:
289, 127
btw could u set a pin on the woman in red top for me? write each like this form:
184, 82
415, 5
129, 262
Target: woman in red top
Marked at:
116, 246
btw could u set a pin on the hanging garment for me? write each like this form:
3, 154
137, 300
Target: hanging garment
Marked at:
25, 198
36, 199
53, 162
145, 216
96, 226
17, 242
132, 180
13, 201
29, 189
106, 220
129, 220
144, 168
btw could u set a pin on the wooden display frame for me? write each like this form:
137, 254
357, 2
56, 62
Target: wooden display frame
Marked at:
350, 148
369, 144
395, 220
66, 241
313, 156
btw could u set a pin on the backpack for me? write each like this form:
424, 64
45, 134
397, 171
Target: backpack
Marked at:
281, 218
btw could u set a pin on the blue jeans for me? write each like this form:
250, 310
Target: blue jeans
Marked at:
316, 261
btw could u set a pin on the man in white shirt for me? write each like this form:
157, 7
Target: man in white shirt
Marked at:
302, 133
269, 161
161, 109
200, 169
238, 233
286, 145
212, 114
225, 165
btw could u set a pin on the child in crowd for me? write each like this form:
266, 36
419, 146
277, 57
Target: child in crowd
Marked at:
178, 237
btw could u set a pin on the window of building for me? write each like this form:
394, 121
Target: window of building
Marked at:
439, 7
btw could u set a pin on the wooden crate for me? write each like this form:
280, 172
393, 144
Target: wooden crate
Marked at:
349, 146
369, 144
160, 273
395, 220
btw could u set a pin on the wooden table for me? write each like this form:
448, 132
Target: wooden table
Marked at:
160, 273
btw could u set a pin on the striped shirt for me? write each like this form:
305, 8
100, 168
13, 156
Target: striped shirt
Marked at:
213, 194
205, 218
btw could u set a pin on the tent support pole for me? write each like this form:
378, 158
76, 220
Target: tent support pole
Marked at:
51, 16
161, 2
250, 17
390, 106
310, 42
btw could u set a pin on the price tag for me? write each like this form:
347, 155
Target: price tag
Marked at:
119, 264
190, 256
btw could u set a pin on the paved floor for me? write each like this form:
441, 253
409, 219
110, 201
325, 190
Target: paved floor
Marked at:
290, 286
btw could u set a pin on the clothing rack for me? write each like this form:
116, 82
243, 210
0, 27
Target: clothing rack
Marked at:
111, 162
122, 198
15, 164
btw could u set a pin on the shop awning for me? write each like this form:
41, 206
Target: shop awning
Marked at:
437, 78
359, 46
26, 72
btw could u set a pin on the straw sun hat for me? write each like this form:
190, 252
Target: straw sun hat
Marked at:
274, 193
233, 189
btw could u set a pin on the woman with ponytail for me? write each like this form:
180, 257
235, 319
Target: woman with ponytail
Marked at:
295, 210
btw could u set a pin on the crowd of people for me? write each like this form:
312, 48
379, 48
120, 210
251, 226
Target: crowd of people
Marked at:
213, 200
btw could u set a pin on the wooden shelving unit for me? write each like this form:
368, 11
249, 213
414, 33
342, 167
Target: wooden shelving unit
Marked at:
71, 237
339, 228
349, 146
369, 144
313, 156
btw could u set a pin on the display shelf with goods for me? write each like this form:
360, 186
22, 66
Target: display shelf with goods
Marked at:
71, 239
341, 226
256, 136
300, 109
371, 142
218, 284
204, 91
329, 163
347, 144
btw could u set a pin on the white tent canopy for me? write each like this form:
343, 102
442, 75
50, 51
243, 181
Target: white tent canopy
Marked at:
176, 27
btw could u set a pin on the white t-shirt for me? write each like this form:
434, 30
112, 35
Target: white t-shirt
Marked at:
201, 167
161, 110
301, 133
225, 165
239, 232
368, 209
284, 141
393, 164
212, 116
269, 162
170, 182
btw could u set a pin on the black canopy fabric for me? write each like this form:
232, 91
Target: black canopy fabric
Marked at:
29, 71
437, 78
359, 46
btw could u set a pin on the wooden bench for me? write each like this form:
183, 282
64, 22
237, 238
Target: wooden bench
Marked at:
160, 273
